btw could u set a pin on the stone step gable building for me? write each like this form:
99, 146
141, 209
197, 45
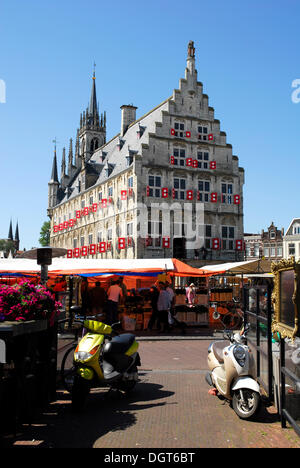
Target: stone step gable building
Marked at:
167, 185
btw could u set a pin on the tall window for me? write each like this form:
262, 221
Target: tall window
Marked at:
179, 156
203, 159
227, 237
204, 190
291, 249
154, 185
227, 190
202, 133
179, 188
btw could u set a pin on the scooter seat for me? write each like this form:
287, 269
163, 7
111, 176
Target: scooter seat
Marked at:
119, 344
218, 348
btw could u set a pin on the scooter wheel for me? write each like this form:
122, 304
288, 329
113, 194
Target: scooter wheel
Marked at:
80, 391
127, 385
248, 405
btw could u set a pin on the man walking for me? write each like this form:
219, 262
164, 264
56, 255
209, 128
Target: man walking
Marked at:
114, 294
163, 305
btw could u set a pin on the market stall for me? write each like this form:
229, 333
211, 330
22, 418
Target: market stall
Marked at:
138, 274
224, 291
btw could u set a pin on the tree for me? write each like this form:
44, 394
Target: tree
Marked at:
7, 245
44, 239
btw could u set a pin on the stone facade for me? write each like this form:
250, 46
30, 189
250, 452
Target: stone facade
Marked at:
167, 185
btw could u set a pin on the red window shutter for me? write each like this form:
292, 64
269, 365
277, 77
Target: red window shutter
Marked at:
60, 227
166, 242
148, 191
94, 207
66, 224
210, 136
172, 160
195, 163
108, 245
104, 203
188, 134
70, 253
214, 197
215, 243
102, 247
121, 243
172, 131
84, 251
239, 244
173, 193
189, 195
213, 165
165, 192
189, 161
236, 199
93, 249
55, 228
76, 252
123, 194
78, 214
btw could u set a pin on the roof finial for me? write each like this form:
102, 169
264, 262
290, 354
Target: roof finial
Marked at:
191, 49
94, 71
54, 141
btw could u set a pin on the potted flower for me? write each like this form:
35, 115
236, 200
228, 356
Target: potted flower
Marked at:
26, 301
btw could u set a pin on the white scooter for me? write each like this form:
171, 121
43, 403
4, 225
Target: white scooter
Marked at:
232, 373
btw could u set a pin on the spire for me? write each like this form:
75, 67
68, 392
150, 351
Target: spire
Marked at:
10, 233
93, 108
63, 163
17, 233
70, 159
54, 176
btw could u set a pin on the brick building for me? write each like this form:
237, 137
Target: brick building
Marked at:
268, 244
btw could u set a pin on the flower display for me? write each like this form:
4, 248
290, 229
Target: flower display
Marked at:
26, 301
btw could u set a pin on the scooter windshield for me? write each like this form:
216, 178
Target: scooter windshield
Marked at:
98, 327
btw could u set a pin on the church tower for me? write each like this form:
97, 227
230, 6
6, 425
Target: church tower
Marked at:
53, 185
92, 131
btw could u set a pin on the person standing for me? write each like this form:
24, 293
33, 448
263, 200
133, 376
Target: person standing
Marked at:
114, 295
191, 294
98, 297
163, 305
171, 293
154, 293
85, 296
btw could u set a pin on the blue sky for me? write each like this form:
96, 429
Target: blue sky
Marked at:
247, 56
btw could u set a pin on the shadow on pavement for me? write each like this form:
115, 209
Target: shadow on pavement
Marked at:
59, 427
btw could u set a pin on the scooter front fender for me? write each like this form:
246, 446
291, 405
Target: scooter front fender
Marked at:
245, 382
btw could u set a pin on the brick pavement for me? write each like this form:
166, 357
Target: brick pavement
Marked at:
170, 408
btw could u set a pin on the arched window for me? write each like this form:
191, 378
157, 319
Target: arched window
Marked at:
94, 144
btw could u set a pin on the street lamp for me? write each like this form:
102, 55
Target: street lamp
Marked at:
44, 256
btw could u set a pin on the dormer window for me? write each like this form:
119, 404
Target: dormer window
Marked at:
120, 144
140, 131
129, 160
103, 156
